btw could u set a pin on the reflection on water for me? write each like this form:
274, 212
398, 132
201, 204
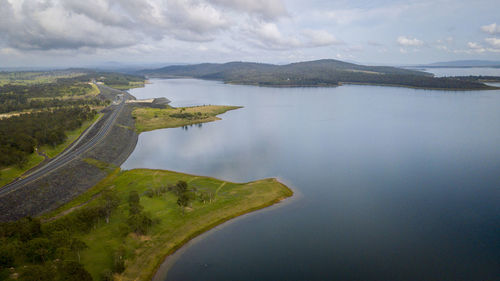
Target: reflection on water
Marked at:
397, 184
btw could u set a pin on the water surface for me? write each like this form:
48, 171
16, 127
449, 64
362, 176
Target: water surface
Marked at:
396, 183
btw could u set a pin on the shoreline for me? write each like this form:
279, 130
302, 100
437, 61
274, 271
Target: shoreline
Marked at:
161, 271
329, 85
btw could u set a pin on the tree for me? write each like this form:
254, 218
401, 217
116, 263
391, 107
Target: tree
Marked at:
73, 271
111, 201
133, 197
37, 273
39, 249
78, 245
133, 201
183, 200
139, 223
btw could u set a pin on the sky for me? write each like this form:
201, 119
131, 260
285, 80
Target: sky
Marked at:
65, 33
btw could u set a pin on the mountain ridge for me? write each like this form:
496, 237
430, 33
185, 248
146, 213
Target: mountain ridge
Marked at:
324, 72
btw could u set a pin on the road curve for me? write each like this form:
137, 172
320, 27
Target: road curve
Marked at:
67, 156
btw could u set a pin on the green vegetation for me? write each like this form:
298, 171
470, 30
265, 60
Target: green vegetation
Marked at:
47, 111
9, 173
35, 77
20, 135
126, 225
315, 73
119, 81
148, 119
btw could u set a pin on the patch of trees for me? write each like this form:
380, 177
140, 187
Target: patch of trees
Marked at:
478, 78
19, 135
108, 78
185, 194
13, 102
138, 221
52, 251
337, 77
31, 253
46, 90
187, 115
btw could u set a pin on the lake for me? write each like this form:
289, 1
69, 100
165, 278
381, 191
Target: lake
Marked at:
394, 183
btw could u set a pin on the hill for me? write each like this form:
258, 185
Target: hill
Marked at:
312, 73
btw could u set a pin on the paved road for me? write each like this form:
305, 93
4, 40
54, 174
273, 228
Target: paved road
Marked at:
68, 155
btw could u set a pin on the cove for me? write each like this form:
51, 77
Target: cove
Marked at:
396, 183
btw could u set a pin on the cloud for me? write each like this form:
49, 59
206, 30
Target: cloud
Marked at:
267, 35
318, 38
409, 42
476, 47
492, 29
349, 16
268, 9
494, 42
74, 24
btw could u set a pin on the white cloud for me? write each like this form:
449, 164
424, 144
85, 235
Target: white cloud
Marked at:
476, 47
409, 42
351, 15
268, 9
494, 42
491, 28
318, 38
267, 35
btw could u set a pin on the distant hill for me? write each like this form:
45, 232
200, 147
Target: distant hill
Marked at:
465, 63
326, 72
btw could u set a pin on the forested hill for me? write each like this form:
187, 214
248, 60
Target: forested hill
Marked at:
312, 73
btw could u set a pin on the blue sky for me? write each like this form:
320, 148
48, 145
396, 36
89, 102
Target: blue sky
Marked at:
79, 33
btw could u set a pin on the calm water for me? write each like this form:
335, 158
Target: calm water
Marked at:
396, 184
485, 71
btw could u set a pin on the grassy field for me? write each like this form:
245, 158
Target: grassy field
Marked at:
130, 85
10, 173
148, 119
172, 226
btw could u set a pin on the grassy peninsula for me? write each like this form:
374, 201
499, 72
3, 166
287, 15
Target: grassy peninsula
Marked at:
172, 225
148, 119
124, 227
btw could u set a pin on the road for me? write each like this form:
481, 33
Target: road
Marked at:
69, 154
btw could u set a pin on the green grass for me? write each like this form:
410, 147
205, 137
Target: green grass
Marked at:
148, 119
8, 174
130, 85
172, 228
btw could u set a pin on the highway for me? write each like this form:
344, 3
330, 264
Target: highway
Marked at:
69, 154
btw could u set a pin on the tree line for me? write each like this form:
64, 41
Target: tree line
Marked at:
52, 251
19, 135
55, 89
14, 102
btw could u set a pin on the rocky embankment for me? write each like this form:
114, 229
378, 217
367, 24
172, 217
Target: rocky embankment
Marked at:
74, 178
